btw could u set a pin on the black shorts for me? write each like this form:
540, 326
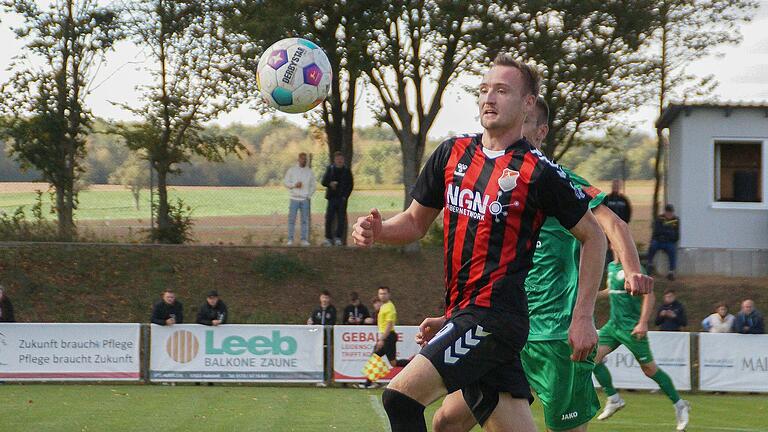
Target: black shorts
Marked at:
389, 348
478, 351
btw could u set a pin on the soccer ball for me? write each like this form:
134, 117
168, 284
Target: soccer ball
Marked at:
294, 75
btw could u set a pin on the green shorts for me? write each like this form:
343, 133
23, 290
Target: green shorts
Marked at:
613, 337
564, 387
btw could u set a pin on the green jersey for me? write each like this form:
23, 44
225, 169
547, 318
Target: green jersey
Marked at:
625, 308
552, 283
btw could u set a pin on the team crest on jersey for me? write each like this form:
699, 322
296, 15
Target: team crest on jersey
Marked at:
508, 179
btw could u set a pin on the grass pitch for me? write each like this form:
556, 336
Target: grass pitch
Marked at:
283, 409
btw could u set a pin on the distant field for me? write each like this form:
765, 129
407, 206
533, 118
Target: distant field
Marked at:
65, 408
244, 214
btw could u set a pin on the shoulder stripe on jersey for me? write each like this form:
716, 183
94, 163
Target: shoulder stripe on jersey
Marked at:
592, 191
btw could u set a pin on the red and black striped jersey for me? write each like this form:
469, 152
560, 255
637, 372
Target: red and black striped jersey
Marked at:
493, 211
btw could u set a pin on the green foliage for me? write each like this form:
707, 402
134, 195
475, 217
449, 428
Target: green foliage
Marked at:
16, 226
275, 267
618, 154
179, 228
133, 174
45, 117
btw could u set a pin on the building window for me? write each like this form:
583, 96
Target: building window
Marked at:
738, 172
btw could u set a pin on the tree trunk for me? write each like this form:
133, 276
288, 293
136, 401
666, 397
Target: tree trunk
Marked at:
411, 161
657, 172
163, 219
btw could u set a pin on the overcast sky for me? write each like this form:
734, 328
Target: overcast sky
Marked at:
742, 72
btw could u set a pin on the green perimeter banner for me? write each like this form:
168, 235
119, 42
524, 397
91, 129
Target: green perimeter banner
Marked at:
240, 353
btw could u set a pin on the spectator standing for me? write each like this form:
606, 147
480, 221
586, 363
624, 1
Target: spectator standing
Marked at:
168, 311
671, 314
214, 311
300, 180
6, 307
325, 314
618, 202
355, 312
749, 320
720, 321
666, 233
338, 182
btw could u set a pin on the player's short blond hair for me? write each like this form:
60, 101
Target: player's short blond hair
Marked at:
530, 74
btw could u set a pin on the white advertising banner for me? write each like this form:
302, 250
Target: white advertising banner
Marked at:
243, 353
733, 362
353, 346
79, 352
671, 352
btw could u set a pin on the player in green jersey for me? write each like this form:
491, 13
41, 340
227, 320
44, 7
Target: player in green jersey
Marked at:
628, 326
564, 386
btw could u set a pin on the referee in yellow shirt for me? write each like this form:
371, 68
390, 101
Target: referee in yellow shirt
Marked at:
386, 345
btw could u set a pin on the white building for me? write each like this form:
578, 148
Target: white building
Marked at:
716, 179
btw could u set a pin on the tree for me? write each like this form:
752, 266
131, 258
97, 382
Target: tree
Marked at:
341, 28
133, 174
688, 30
421, 48
45, 114
200, 71
588, 52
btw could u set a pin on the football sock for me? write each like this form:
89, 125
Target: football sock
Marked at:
604, 378
405, 414
665, 382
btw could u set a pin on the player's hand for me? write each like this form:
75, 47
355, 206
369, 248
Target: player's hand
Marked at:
428, 329
638, 284
367, 229
640, 331
582, 336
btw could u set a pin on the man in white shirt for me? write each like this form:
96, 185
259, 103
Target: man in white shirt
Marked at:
300, 180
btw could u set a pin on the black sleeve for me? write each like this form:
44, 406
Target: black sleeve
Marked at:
313, 317
157, 315
351, 186
659, 319
759, 327
559, 197
347, 313
629, 210
366, 314
203, 317
225, 310
681, 318
179, 313
326, 177
429, 189
8, 312
332, 311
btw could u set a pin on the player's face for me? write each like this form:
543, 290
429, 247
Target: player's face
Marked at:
503, 101
534, 132
747, 307
302, 160
338, 161
383, 295
212, 301
722, 311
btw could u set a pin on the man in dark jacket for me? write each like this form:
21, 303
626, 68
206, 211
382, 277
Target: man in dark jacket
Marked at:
6, 308
749, 320
355, 312
671, 314
168, 311
213, 312
618, 202
338, 183
666, 233
325, 314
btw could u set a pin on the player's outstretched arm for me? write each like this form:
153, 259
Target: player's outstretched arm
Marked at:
582, 334
403, 228
622, 242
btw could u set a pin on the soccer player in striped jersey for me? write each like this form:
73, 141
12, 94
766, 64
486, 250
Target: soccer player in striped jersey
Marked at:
563, 386
495, 191
628, 326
